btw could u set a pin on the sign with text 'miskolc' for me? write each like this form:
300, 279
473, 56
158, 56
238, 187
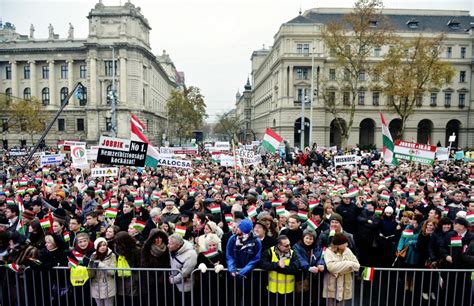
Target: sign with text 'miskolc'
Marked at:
415, 152
119, 151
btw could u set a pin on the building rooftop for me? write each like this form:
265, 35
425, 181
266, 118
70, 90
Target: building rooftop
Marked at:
415, 20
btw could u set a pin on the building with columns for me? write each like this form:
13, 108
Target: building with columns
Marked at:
282, 76
48, 68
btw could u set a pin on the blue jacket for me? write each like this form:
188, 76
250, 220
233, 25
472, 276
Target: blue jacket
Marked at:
412, 252
244, 257
305, 262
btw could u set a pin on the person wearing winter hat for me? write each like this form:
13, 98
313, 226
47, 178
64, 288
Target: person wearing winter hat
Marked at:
243, 252
102, 282
340, 263
335, 227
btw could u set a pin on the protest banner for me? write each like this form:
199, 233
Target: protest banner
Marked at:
101, 172
415, 152
345, 160
179, 150
222, 145
442, 153
177, 163
112, 152
244, 154
79, 156
53, 159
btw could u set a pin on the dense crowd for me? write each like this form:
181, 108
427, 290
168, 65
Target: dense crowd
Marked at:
291, 215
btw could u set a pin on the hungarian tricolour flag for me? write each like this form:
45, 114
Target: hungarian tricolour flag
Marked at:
137, 128
271, 141
388, 146
368, 274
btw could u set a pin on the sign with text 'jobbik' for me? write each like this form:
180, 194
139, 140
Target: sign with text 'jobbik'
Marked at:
118, 151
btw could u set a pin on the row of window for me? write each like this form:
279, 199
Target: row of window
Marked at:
45, 72
63, 93
80, 127
303, 74
303, 48
361, 98
110, 69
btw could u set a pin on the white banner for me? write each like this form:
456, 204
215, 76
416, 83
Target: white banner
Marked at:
345, 160
442, 153
92, 153
100, 172
79, 156
245, 154
177, 163
222, 145
119, 144
51, 159
227, 160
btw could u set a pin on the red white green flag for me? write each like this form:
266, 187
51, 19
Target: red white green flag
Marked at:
271, 141
456, 242
180, 230
368, 274
388, 146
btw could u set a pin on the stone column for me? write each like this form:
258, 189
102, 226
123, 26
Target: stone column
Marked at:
122, 91
70, 80
92, 97
290, 84
15, 89
53, 95
33, 80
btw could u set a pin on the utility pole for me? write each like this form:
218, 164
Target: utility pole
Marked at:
113, 110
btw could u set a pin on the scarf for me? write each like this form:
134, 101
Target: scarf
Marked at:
157, 250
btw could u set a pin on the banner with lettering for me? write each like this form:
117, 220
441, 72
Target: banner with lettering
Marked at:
415, 152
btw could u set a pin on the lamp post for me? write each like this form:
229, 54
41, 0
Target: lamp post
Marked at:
311, 102
302, 121
113, 110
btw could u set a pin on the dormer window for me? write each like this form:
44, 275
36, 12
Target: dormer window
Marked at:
373, 23
454, 24
413, 24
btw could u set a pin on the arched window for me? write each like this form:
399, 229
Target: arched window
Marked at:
45, 96
27, 93
63, 93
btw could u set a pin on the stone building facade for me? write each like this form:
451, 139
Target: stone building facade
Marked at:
281, 78
49, 68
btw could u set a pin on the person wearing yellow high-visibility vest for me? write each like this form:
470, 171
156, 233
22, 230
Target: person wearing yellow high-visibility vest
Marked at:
282, 264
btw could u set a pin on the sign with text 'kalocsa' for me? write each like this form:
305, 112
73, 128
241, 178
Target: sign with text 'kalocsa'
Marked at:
415, 152
120, 151
101, 172
177, 163
53, 159
344, 160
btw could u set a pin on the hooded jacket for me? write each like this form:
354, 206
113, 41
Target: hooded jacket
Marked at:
184, 260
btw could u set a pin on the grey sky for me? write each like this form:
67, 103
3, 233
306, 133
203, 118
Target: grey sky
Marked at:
211, 41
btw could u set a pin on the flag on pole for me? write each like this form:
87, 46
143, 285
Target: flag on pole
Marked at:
271, 141
136, 134
14, 267
180, 230
388, 146
368, 274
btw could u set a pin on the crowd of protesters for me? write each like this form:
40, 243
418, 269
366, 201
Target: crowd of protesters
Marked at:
291, 215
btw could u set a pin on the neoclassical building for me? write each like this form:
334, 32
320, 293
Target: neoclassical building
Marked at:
281, 78
48, 68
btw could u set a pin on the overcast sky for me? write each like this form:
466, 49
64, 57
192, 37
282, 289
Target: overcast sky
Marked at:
211, 41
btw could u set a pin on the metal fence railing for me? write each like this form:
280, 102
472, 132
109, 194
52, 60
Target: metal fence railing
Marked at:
153, 287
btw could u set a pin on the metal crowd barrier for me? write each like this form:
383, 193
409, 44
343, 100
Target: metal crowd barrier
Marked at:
152, 287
